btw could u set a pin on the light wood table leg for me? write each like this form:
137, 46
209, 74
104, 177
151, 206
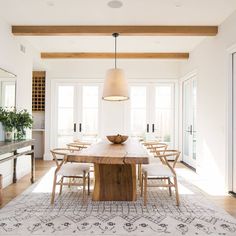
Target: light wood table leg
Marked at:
115, 182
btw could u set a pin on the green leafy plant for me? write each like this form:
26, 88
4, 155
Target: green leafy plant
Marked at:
8, 119
16, 120
23, 121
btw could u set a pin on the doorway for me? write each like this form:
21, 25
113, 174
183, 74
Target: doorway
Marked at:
234, 122
76, 112
189, 121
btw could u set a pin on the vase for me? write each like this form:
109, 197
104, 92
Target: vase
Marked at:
8, 136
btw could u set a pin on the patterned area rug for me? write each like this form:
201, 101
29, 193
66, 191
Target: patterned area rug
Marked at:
32, 214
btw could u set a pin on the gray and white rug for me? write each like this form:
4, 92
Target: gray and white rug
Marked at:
32, 214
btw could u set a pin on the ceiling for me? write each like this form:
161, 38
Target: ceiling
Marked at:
106, 44
133, 12
136, 12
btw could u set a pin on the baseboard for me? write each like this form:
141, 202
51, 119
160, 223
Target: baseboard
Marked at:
233, 194
187, 165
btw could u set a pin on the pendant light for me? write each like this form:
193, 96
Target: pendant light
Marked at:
115, 86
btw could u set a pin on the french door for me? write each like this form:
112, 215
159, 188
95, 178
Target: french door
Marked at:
151, 112
76, 112
189, 121
234, 123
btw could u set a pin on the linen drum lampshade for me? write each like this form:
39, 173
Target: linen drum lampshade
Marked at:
115, 86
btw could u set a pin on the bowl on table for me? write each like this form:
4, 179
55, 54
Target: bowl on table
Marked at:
117, 139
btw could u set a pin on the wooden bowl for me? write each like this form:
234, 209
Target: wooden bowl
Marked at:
117, 139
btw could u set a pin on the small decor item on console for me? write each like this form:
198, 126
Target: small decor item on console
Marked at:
117, 139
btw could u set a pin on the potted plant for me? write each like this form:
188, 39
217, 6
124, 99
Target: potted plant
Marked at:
8, 118
23, 121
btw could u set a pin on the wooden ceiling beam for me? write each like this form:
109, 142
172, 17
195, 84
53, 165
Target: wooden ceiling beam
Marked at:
107, 55
92, 30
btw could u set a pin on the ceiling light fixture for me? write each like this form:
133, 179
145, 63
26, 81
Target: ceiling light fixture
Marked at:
115, 4
115, 86
50, 3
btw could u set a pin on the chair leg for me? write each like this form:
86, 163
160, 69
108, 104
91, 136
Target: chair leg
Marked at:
169, 187
176, 191
84, 184
62, 179
140, 174
141, 185
69, 184
54, 189
88, 183
145, 188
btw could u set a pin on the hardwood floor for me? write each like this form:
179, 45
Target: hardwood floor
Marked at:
13, 190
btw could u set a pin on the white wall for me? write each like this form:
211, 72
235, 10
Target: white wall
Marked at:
211, 62
90, 70
13, 60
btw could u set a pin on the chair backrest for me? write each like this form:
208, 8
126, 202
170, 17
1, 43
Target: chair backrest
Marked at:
169, 153
59, 155
78, 145
156, 148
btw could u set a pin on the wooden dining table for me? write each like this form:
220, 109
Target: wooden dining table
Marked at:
114, 168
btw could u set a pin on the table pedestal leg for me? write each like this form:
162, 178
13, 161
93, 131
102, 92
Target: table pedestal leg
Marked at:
115, 182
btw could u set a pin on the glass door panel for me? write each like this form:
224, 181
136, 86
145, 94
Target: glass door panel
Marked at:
189, 122
163, 125
89, 126
65, 114
138, 110
234, 124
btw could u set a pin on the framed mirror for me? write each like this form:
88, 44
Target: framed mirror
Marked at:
7, 89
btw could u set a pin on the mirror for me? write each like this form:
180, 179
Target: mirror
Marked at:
7, 88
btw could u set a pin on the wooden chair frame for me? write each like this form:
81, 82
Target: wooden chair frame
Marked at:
155, 147
78, 145
163, 156
86, 176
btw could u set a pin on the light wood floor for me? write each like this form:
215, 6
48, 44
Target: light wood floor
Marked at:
13, 190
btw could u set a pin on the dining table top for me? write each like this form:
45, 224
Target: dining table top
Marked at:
104, 152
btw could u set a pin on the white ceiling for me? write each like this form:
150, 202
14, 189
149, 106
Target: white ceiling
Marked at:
133, 12
106, 44
141, 12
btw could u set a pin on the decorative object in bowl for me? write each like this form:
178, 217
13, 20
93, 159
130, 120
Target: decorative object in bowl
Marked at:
117, 139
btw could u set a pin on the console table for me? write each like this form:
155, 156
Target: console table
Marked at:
13, 147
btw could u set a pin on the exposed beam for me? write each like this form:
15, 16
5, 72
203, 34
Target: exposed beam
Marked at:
92, 30
107, 55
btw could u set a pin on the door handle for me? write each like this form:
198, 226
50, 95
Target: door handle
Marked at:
74, 127
147, 128
191, 129
80, 127
153, 128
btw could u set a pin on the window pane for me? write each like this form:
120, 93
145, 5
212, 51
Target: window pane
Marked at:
65, 115
163, 97
90, 96
138, 110
66, 96
9, 96
138, 97
90, 111
65, 121
138, 122
164, 113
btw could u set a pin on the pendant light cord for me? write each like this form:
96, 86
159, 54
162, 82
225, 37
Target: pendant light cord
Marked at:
115, 35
